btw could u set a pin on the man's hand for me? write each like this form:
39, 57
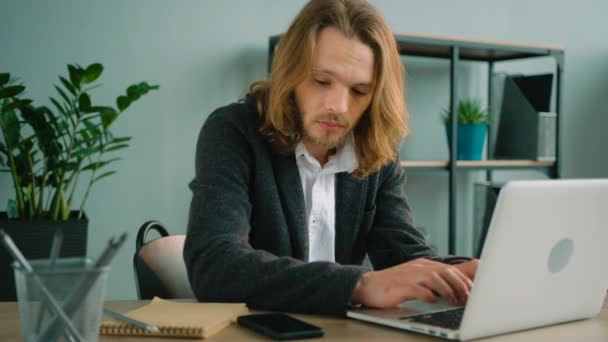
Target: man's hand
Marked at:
469, 268
420, 279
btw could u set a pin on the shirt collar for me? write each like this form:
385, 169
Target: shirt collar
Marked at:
344, 160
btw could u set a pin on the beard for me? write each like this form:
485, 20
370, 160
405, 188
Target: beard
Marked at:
325, 138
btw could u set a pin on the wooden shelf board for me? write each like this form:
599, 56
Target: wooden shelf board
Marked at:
462, 40
425, 163
417, 44
477, 163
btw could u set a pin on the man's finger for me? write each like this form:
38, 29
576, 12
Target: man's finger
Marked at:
469, 268
422, 293
460, 283
435, 281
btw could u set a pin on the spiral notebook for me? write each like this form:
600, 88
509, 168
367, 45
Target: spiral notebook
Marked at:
177, 319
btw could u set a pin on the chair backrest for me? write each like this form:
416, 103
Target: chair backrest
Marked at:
159, 265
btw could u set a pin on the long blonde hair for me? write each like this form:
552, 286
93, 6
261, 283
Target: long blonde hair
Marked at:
386, 122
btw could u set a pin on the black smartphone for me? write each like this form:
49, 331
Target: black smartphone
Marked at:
279, 326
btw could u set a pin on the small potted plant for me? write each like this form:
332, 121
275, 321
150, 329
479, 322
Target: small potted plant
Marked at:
48, 153
473, 121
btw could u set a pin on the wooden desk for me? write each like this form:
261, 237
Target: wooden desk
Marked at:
337, 329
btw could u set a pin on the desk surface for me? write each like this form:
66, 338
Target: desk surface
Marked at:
337, 329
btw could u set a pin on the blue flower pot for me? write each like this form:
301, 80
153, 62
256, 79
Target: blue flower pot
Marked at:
470, 140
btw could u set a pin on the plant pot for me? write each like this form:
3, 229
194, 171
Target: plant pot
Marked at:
471, 138
34, 239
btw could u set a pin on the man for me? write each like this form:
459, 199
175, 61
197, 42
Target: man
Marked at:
295, 185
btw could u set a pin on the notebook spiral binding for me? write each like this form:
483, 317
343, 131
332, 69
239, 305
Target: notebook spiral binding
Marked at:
130, 330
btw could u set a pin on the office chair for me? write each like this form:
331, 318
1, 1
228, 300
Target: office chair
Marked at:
159, 265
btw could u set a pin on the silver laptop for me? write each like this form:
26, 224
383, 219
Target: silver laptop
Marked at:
543, 262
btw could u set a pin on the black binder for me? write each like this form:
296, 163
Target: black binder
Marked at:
527, 128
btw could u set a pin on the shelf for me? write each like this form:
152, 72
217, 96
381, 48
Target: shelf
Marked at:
475, 164
415, 44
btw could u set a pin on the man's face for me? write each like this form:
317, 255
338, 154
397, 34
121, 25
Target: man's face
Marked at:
337, 90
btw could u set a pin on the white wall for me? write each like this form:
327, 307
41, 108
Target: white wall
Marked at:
205, 53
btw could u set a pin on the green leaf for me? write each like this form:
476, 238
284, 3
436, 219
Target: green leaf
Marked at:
16, 103
133, 92
107, 117
97, 109
84, 152
116, 147
12, 210
71, 166
61, 127
91, 73
90, 117
88, 89
122, 102
468, 112
91, 128
84, 102
75, 75
86, 137
41, 119
144, 87
68, 85
109, 173
11, 91
10, 122
98, 165
58, 106
120, 140
26, 146
4, 78
63, 95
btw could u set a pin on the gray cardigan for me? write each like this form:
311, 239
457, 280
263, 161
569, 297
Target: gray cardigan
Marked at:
247, 238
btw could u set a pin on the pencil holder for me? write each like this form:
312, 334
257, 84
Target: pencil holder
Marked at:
61, 302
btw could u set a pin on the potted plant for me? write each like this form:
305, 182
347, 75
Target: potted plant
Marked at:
473, 121
48, 153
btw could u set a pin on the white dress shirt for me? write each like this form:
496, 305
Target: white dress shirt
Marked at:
319, 186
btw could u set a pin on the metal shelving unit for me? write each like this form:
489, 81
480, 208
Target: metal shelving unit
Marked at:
491, 52
461, 49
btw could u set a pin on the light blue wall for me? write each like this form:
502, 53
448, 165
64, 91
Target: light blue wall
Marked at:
205, 53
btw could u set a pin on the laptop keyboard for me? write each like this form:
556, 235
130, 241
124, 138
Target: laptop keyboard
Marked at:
446, 319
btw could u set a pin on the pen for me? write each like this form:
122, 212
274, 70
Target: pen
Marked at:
110, 251
55, 249
139, 324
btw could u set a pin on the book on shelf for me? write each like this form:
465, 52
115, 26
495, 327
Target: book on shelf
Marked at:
526, 126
